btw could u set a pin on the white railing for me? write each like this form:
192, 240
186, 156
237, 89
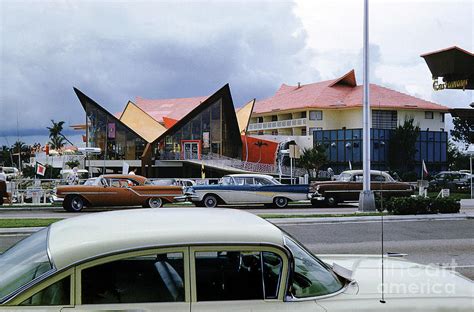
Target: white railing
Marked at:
289, 123
223, 161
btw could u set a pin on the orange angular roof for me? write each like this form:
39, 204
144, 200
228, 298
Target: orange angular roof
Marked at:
171, 108
339, 93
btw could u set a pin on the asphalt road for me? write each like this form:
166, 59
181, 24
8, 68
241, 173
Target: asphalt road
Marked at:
447, 243
57, 212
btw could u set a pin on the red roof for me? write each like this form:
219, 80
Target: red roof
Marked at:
448, 49
340, 93
171, 108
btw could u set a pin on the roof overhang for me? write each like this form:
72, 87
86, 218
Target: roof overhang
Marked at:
465, 113
454, 65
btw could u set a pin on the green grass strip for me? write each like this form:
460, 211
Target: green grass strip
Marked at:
17, 223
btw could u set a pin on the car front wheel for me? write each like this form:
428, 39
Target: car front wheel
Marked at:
73, 204
331, 201
155, 202
280, 202
210, 201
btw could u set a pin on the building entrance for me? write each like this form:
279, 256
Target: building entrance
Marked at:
191, 149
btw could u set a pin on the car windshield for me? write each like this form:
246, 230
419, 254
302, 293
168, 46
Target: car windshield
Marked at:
24, 262
311, 277
91, 181
344, 177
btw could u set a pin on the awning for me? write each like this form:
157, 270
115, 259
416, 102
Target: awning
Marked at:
454, 65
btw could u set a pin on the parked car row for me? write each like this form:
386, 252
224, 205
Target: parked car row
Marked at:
235, 189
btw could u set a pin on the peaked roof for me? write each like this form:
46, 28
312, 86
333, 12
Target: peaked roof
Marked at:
142, 123
222, 93
171, 108
243, 115
84, 99
339, 93
452, 64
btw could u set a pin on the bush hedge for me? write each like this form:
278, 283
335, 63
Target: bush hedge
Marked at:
418, 205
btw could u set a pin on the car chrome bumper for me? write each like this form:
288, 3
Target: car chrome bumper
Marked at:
55, 199
186, 198
181, 198
317, 196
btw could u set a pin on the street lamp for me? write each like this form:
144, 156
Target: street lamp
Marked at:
366, 197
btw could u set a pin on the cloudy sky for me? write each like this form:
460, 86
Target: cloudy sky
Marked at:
116, 50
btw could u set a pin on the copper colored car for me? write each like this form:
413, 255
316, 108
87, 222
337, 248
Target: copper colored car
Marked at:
117, 190
348, 186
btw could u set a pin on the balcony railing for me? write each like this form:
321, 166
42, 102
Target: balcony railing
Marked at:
223, 162
289, 123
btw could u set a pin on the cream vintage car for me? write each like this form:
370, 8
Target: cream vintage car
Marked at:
244, 189
198, 259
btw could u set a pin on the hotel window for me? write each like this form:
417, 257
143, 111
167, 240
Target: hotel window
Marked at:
303, 131
259, 119
428, 115
311, 130
303, 114
315, 115
384, 119
274, 118
441, 116
274, 132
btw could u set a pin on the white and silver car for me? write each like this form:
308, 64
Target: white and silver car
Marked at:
242, 189
181, 259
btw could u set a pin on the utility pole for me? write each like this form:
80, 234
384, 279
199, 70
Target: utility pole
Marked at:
366, 197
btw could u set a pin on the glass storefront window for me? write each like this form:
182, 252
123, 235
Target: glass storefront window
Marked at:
114, 139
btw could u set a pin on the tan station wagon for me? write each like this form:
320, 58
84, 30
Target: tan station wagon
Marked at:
198, 259
116, 190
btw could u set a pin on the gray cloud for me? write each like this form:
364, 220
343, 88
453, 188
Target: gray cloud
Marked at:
114, 51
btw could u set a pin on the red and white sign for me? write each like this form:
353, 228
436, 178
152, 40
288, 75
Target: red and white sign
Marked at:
40, 169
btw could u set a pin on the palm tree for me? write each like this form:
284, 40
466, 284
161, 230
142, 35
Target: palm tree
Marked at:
259, 145
55, 135
19, 149
313, 158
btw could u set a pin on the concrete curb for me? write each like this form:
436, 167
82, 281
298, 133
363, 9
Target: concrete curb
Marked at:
296, 221
20, 231
430, 217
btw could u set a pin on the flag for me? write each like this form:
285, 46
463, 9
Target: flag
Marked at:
424, 169
40, 169
203, 172
350, 165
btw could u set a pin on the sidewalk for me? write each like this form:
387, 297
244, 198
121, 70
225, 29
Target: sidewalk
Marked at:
466, 215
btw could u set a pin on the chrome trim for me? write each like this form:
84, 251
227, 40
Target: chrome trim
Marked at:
262, 269
87, 193
28, 285
188, 244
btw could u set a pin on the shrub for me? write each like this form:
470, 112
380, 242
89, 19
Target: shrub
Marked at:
418, 205
446, 205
